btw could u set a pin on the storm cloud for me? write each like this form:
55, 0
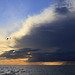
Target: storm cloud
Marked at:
52, 31
56, 35
21, 53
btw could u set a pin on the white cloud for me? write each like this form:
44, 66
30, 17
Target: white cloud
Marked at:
46, 16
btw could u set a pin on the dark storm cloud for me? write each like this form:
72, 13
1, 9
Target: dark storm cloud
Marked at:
59, 34
55, 39
15, 54
62, 10
46, 57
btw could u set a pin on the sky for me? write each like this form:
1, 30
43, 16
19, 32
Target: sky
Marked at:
12, 11
37, 31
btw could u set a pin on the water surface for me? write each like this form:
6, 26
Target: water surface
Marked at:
36, 70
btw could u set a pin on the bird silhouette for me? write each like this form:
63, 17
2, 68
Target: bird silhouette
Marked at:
8, 38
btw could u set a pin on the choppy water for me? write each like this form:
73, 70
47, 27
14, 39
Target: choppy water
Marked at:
36, 70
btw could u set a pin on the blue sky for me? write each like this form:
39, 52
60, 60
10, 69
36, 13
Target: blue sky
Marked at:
15, 11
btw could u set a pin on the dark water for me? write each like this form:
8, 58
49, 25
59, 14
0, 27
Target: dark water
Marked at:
36, 70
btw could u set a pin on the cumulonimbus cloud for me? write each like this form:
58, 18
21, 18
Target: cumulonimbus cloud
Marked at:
53, 30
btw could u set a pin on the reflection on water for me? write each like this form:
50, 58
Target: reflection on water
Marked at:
36, 70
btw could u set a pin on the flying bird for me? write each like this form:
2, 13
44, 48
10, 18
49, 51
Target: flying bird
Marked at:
8, 38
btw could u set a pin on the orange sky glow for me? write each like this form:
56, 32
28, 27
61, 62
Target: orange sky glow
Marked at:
23, 62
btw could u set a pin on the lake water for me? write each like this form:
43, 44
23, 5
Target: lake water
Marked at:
36, 70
